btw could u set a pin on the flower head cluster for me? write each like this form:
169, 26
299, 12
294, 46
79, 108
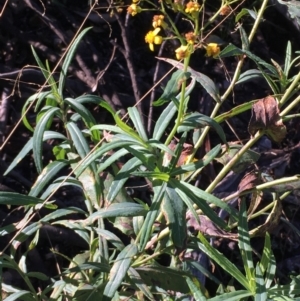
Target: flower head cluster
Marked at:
134, 9
212, 49
182, 52
190, 37
158, 21
152, 38
225, 10
192, 7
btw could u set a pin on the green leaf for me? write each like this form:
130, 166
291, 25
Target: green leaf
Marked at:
137, 122
23, 295
48, 173
122, 176
111, 159
85, 114
123, 126
61, 213
100, 152
138, 282
58, 183
174, 211
29, 145
164, 120
78, 139
245, 246
265, 258
38, 275
197, 120
249, 75
111, 237
173, 87
39, 97
261, 292
114, 210
244, 12
195, 289
119, 270
67, 61
38, 137
223, 262
230, 50
200, 198
232, 296
165, 278
17, 199
47, 74
156, 175
244, 38
159, 191
288, 59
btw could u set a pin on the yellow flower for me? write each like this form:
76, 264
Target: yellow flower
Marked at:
134, 9
152, 38
192, 7
225, 10
190, 37
158, 21
212, 49
182, 52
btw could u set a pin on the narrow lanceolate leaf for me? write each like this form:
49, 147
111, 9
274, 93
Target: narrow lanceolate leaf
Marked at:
17, 199
266, 255
244, 245
138, 281
48, 173
164, 120
232, 296
115, 210
173, 87
20, 295
194, 286
100, 152
137, 122
127, 129
146, 230
85, 114
78, 139
200, 198
261, 291
38, 137
29, 145
197, 120
223, 262
47, 74
67, 61
174, 211
119, 271
122, 176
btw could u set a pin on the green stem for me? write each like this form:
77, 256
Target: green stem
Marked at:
181, 105
290, 106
